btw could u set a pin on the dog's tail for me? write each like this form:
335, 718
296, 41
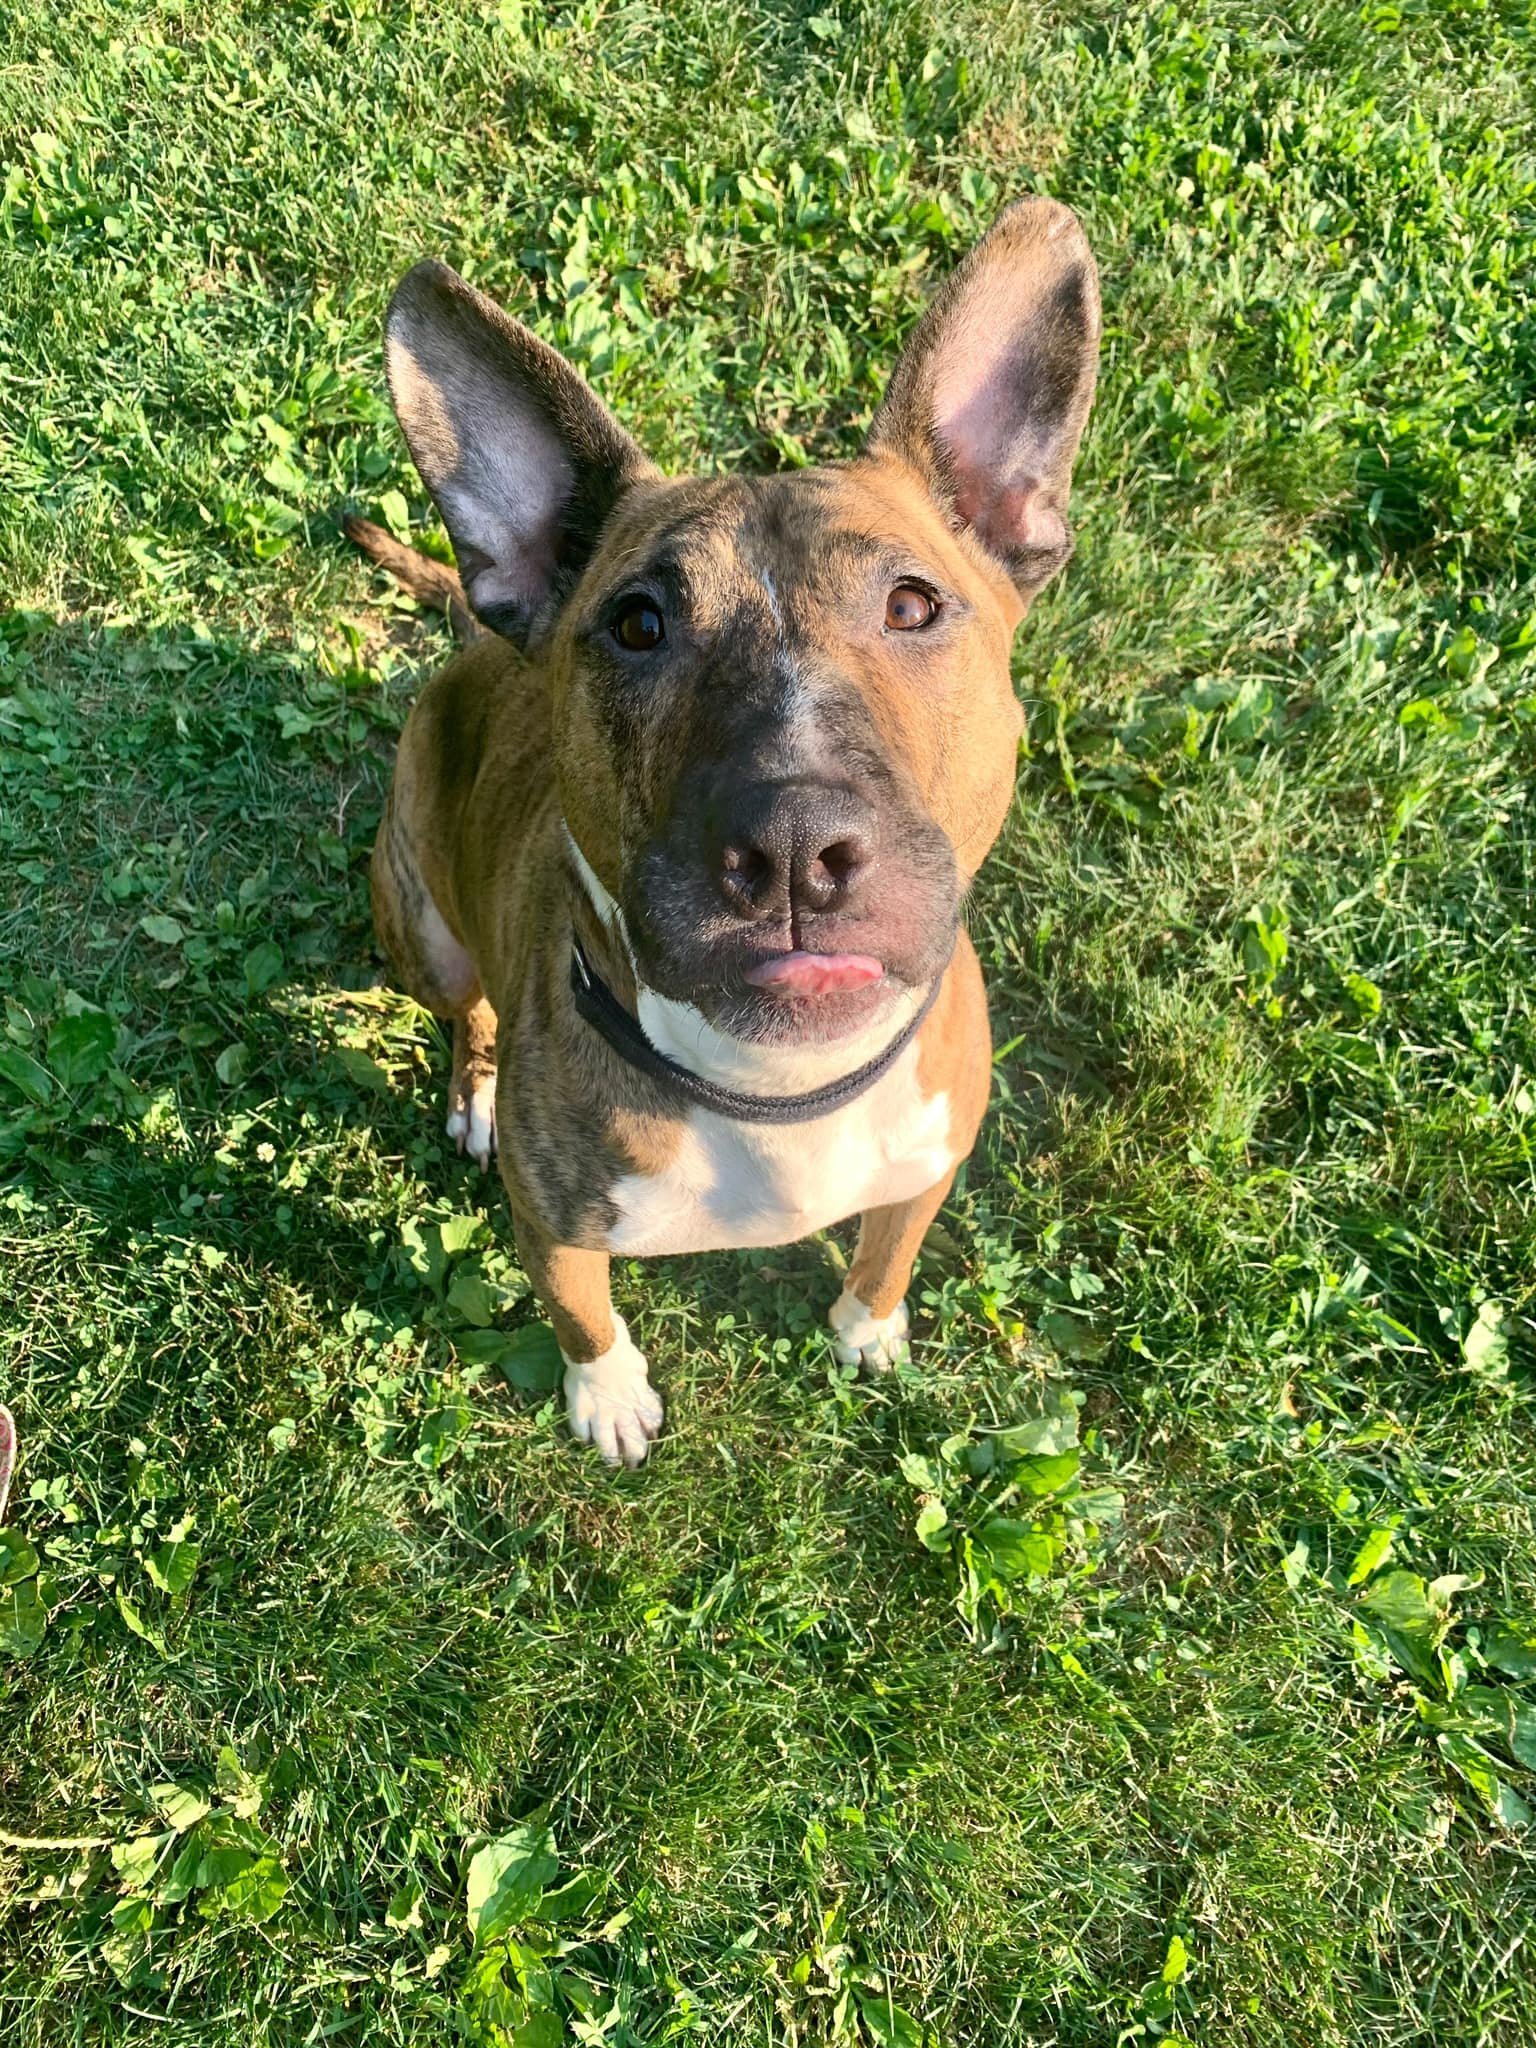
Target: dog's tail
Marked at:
430, 582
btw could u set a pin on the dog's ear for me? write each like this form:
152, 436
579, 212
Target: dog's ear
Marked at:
522, 458
988, 399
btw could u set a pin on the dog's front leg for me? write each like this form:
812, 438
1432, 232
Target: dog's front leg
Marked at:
609, 1399
869, 1317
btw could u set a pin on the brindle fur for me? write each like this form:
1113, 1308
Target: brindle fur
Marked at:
771, 582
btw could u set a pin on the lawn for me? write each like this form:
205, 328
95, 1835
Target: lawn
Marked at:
342, 1697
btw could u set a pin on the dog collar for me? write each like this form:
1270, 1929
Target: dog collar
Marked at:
598, 1006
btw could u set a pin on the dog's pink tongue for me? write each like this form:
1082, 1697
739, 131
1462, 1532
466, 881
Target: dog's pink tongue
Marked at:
815, 974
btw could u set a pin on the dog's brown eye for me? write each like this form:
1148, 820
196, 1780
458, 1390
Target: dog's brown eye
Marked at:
639, 626
907, 607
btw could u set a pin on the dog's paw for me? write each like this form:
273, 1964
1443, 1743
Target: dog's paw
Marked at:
611, 1402
875, 1343
472, 1116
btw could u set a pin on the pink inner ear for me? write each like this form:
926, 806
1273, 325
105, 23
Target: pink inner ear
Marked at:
1009, 516
988, 419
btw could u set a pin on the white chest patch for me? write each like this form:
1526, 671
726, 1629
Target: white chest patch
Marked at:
731, 1185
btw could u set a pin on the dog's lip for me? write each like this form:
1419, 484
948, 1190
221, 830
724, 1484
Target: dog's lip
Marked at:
814, 974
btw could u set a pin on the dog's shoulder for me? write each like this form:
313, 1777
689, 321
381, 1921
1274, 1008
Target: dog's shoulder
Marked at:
485, 712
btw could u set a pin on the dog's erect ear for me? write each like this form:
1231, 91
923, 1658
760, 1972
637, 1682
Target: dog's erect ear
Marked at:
989, 397
522, 458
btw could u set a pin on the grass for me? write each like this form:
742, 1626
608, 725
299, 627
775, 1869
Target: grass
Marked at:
316, 1620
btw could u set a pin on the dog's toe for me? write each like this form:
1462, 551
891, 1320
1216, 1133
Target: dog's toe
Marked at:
611, 1403
480, 1137
874, 1343
472, 1118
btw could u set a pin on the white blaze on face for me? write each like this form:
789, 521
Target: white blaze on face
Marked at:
799, 741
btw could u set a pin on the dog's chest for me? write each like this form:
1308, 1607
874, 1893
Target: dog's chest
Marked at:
731, 1185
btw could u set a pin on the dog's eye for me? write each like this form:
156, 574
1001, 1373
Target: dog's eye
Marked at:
907, 608
639, 626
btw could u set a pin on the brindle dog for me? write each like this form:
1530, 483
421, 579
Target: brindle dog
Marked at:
680, 841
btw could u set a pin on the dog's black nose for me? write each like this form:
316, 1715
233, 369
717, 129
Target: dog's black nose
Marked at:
795, 846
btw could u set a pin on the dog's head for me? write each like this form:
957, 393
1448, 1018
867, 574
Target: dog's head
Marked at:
785, 732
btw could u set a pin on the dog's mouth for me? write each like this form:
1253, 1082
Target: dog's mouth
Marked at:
799, 995
803, 976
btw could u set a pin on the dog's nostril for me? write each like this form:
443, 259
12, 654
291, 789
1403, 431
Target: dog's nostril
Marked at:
830, 877
841, 861
746, 869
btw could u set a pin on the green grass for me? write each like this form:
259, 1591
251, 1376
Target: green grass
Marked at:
1257, 1183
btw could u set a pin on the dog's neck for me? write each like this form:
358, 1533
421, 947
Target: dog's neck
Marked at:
686, 1035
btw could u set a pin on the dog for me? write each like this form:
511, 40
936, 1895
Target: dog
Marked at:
679, 842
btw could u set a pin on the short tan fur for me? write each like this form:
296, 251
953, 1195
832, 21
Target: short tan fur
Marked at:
706, 724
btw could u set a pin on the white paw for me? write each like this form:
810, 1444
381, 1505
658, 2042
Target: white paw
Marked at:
874, 1342
472, 1120
610, 1401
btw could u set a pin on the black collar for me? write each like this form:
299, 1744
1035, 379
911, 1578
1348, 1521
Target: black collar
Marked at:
600, 1007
